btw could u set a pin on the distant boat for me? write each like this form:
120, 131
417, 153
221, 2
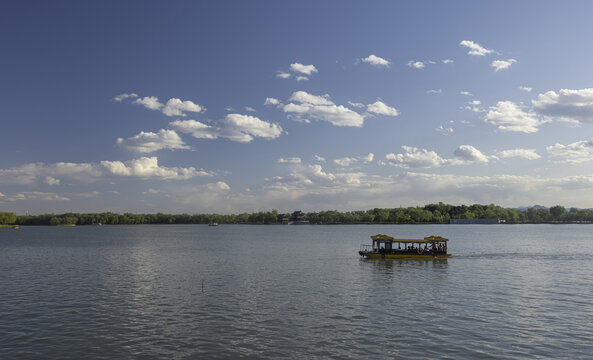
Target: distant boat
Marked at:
16, 227
213, 224
383, 247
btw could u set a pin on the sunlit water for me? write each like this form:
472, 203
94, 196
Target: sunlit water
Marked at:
193, 291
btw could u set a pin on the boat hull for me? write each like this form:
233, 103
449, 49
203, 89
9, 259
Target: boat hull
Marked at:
373, 255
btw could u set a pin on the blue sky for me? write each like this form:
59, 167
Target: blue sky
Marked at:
237, 106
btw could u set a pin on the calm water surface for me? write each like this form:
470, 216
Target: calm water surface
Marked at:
234, 291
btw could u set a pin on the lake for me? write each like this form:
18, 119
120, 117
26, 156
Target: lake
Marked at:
246, 291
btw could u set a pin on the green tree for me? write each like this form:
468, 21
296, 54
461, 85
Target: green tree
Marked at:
7, 218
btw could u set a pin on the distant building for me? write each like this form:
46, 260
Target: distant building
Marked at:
475, 221
296, 218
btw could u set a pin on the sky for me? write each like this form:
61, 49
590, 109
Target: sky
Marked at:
244, 106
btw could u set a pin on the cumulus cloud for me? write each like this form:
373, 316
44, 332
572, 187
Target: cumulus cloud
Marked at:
49, 180
435, 91
508, 116
413, 157
380, 108
475, 48
303, 69
529, 154
447, 61
319, 158
444, 130
502, 64
474, 106
272, 102
301, 78
146, 142
144, 167
575, 153
567, 105
173, 107
177, 107
235, 127
290, 160
356, 104
283, 74
35, 195
122, 97
466, 93
416, 64
218, 186
149, 102
376, 61
148, 168
305, 105
470, 154
525, 88
349, 161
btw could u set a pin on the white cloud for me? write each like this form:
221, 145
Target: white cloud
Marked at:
475, 48
243, 128
148, 168
290, 160
272, 102
416, 64
173, 107
321, 108
575, 153
528, 154
35, 195
380, 108
368, 158
235, 127
474, 106
283, 74
319, 158
447, 61
146, 142
303, 69
502, 64
525, 88
177, 107
445, 131
301, 78
145, 167
466, 93
122, 97
567, 105
433, 91
349, 161
49, 180
218, 186
149, 102
415, 158
346, 161
250, 109
508, 116
376, 61
356, 104
195, 128
468, 154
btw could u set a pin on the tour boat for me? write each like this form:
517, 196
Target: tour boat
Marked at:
387, 247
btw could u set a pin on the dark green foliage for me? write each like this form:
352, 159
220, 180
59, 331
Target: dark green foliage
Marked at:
7, 218
430, 214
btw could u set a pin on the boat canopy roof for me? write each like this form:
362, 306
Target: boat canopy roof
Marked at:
428, 239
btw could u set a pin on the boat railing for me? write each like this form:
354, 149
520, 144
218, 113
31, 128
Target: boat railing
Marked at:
366, 247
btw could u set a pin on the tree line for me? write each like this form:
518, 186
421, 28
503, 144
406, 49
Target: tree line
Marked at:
429, 214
